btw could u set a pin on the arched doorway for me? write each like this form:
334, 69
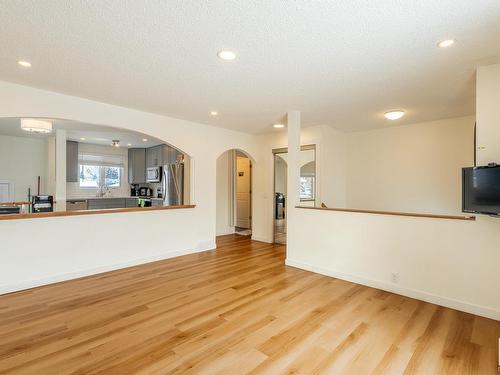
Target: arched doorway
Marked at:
234, 193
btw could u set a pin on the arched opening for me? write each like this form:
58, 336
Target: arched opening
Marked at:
80, 166
234, 193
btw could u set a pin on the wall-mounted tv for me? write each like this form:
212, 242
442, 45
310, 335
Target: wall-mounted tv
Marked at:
481, 190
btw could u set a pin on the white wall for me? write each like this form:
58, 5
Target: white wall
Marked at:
488, 114
448, 262
73, 189
411, 168
58, 248
22, 159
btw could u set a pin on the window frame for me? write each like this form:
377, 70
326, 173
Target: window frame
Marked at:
102, 176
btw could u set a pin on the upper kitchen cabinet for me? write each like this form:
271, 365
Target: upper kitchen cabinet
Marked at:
171, 154
154, 156
71, 161
136, 165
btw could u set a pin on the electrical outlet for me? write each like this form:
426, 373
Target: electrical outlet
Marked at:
395, 277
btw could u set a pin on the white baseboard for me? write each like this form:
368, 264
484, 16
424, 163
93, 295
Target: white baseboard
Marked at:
398, 289
261, 239
9, 288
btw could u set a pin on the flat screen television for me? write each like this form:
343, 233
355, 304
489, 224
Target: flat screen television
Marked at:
481, 190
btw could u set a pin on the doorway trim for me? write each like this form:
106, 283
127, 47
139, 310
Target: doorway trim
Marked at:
283, 150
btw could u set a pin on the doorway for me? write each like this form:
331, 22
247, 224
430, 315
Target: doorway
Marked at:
307, 192
234, 193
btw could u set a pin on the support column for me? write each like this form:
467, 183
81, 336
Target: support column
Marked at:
293, 175
60, 196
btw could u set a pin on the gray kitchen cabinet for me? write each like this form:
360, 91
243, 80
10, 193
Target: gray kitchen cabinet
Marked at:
130, 202
106, 203
156, 202
136, 165
154, 156
72, 161
170, 154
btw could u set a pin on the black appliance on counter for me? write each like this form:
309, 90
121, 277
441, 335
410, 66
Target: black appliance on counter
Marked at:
145, 192
134, 190
5, 210
42, 203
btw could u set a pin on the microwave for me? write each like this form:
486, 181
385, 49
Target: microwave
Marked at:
153, 174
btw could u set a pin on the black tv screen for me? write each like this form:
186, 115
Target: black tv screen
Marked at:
481, 190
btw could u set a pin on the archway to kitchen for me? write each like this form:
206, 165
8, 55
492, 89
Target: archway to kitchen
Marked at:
234, 193
77, 166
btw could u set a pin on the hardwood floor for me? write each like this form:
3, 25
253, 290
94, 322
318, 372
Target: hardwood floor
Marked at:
235, 310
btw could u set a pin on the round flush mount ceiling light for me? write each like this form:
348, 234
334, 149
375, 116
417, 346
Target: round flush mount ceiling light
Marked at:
278, 126
36, 126
446, 43
394, 115
129, 144
226, 55
82, 139
214, 113
144, 139
24, 63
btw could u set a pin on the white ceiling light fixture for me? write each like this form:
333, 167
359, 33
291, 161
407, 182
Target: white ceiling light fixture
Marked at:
226, 55
115, 143
446, 43
394, 115
24, 63
278, 126
129, 144
214, 113
36, 126
144, 139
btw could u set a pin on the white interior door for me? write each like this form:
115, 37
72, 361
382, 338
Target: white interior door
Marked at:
6, 191
243, 193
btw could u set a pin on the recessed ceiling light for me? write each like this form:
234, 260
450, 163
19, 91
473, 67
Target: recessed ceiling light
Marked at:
144, 139
226, 55
394, 115
129, 144
446, 43
24, 64
82, 139
214, 113
278, 126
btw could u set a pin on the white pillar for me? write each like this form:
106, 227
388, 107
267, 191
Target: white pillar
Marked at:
293, 178
60, 196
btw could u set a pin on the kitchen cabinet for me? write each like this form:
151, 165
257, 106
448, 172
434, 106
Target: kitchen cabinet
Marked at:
170, 154
154, 156
72, 161
106, 203
156, 202
136, 165
131, 202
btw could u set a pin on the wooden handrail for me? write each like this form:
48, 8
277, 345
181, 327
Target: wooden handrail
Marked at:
40, 215
411, 214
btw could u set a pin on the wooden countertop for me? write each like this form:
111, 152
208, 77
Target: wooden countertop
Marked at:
91, 212
411, 214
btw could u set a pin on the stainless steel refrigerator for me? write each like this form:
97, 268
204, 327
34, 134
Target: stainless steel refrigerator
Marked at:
173, 184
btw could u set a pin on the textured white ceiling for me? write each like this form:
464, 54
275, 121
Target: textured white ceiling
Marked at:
342, 63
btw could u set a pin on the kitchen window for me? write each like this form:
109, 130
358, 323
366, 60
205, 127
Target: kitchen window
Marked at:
95, 176
96, 171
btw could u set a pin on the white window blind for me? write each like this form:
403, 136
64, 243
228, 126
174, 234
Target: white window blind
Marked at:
101, 160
